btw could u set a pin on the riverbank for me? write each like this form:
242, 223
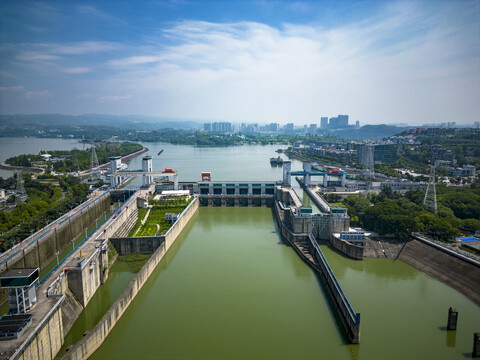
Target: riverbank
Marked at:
128, 156
5, 166
456, 273
447, 268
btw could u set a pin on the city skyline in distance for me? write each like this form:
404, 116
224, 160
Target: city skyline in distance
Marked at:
281, 62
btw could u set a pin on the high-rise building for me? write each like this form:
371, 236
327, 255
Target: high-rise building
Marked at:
382, 153
332, 124
342, 121
218, 127
289, 127
272, 127
313, 129
323, 122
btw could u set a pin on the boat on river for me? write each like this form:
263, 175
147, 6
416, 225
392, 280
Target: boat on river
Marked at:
276, 161
160, 152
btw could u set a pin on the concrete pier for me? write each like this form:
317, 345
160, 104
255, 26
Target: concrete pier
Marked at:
476, 345
452, 319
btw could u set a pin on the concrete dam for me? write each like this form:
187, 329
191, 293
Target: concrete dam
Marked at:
67, 289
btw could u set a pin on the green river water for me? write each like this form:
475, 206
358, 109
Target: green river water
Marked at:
229, 288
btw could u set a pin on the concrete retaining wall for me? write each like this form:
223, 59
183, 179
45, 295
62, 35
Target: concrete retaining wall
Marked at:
89, 343
137, 245
455, 272
350, 320
43, 251
47, 339
349, 249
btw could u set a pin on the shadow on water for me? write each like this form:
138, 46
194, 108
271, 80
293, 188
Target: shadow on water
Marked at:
341, 264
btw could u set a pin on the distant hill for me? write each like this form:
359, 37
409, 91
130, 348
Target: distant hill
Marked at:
368, 132
137, 122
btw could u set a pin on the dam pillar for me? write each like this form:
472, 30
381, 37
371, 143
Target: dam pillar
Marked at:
476, 345
287, 168
307, 168
344, 179
452, 319
325, 180
175, 182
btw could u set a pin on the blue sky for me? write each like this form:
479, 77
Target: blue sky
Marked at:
243, 61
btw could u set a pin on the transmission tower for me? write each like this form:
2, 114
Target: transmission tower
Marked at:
430, 200
94, 164
75, 160
20, 193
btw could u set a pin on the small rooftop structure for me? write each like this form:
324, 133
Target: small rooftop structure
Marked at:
20, 284
176, 193
13, 326
468, 239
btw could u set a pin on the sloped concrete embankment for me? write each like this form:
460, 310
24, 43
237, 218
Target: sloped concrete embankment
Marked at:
94, 338
458, 274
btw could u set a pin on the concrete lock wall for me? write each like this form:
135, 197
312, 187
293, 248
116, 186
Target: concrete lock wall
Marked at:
94, 338
47, 339
350, 322
84, 281
349, 249
137, 245
43, 252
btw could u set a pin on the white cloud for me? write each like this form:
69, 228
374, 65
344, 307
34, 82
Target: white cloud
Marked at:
405, 64
11, 88
77, 70
134, 60
35, 56
113, 98
85, 96
37, 94
408, 62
